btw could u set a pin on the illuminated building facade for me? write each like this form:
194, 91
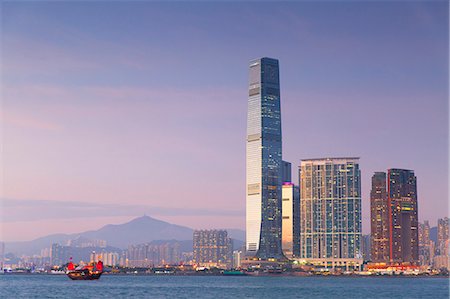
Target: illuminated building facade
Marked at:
403, 218
264, 162
153, 254
443, 236
330, 211
379, 217
212, 248
394, 220
425, 244
290, 220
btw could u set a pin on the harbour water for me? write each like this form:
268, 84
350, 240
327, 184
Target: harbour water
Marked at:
116, 286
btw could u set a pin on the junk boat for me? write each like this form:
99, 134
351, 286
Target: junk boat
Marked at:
89, 272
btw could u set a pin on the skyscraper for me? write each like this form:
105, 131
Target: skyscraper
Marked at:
291, 222
394, 221
403, 219
330, 211
379, 219
264, 161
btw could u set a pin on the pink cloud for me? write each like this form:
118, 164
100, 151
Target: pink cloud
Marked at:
29, 122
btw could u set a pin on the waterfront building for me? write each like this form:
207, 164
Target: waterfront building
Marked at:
237, 256
443, 236
403, 218
330, 212
59, 255
394, 207
152, 254
290, 220
264, 161
379, 219
108, 258
441, 262
366, 247
425, 245
212, 248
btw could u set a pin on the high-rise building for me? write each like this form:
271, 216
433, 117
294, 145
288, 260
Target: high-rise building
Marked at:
330, 211
394, 221
403, 219
366, 247
153, 254
443, 236
237, 256
212, 248
286, 173
379, 215
291, 223
425, 254
264, 161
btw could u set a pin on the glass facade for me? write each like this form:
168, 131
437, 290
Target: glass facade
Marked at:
264, 161
330, 208
379, 217
403, 222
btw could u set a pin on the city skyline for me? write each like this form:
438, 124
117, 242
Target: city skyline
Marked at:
103, 116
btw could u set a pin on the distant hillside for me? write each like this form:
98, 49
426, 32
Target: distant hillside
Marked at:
140, 230
137, 231
236, 234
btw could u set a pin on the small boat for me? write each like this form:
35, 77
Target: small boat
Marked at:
84, 274
90, 272
234, 273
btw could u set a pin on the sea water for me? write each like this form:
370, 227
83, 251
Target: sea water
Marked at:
129, 286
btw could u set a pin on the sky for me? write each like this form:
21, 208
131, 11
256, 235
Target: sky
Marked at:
111, 111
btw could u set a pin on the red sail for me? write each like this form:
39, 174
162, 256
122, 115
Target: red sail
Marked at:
100, 266
70, 266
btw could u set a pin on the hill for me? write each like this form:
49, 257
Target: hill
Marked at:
137, 231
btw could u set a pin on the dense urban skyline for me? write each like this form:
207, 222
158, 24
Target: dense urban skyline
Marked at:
107, 111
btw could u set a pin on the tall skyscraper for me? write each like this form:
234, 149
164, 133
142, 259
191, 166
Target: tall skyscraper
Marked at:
264, 161
291, 222
394, 221
330, 211
379, 215
403, 219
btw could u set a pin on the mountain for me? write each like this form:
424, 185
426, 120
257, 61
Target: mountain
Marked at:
137, 231
140, 230
236, 234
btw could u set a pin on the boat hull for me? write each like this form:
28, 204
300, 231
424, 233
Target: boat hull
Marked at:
84, 275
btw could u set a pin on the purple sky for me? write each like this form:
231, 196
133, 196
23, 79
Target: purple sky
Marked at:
113, 110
